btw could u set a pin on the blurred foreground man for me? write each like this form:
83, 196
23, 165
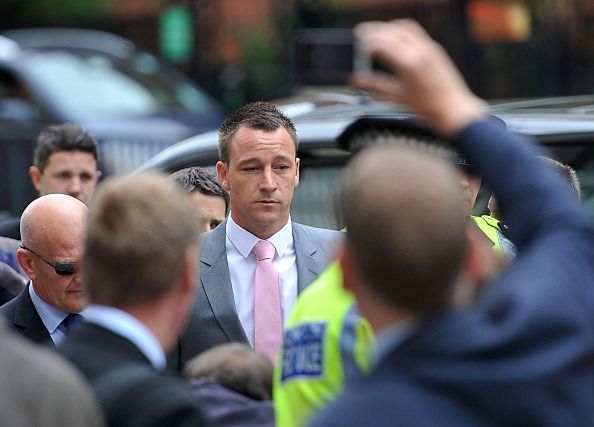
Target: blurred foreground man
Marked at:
522, 353
53, 230
39, 388
140, 271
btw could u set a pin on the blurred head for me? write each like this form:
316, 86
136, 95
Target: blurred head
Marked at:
208, 196
470, 182
142, 235
406, 228
52, 232
259, 167
65, 161
565, 171
236, 366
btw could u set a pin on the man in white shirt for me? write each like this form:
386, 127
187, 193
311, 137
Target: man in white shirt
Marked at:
52, 228
259, 168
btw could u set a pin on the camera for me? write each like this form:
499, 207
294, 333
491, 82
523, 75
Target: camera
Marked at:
329, 56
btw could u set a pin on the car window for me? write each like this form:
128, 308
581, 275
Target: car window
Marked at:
314, 199
98, 86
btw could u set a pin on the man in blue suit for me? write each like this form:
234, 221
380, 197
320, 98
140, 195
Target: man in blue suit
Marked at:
456, 345
259, 168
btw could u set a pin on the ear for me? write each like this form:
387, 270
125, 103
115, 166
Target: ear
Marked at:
35, 175
481, 263
297, 164
350, 272
222, 173
25, 261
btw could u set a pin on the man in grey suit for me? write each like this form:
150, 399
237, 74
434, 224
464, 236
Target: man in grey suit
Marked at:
259, 168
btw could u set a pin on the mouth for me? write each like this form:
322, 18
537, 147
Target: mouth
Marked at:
267, 202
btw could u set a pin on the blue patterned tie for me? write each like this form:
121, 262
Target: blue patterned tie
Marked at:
70, 322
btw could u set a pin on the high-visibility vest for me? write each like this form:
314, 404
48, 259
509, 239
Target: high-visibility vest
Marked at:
491, 227
325, 346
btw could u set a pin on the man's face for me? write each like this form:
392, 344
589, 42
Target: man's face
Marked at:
261, 175
67, 172
211, 209
65, 293
471, 185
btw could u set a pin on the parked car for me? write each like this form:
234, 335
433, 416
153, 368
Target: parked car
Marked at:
133, 103
330, 127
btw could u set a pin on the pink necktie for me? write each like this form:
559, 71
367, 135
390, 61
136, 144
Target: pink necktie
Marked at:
267, 307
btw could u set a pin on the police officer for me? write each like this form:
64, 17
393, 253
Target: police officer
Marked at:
312, 368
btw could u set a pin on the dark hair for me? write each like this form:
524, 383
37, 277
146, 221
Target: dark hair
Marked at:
64, 137
566, 172
256, 115
235, 366
202, 180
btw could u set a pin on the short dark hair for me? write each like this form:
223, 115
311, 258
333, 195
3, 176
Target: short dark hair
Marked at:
235, 366
566, 172
202, 180
256, 115
64, 137
138, 232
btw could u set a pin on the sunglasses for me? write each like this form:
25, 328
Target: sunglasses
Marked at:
61, 268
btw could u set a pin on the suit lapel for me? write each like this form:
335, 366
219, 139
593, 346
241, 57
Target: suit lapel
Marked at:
27, 318
216, 282
308, 266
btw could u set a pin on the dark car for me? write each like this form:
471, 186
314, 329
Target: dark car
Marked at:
330, 127
133, 103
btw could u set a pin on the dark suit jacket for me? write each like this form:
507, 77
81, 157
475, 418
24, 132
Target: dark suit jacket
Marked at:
214, 318
130, 391
23, 318
11, 227
524, 355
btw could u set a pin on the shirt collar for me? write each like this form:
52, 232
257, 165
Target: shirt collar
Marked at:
393, 336
244, 241
128, 326
50, 316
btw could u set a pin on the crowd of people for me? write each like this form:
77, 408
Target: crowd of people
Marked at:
194, 300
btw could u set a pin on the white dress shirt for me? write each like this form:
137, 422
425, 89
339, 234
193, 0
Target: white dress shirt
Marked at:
129, 327
242, 268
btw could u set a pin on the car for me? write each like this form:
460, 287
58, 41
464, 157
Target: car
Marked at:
133, 103
330, 127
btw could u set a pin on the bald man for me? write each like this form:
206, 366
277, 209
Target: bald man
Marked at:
52, 229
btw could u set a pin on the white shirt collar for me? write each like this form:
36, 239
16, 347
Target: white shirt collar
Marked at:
244, 241
128, 326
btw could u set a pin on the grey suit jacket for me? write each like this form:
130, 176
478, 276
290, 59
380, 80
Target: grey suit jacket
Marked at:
214, 318
24, 319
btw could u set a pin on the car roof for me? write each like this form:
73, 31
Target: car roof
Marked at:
328, 125
71, 39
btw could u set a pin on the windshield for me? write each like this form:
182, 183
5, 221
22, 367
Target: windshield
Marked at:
100, 86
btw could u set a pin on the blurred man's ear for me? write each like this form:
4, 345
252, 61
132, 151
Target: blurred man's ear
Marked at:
481, 262
35, 175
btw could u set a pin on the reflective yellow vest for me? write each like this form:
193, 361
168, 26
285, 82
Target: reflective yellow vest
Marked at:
312, 367
491, 227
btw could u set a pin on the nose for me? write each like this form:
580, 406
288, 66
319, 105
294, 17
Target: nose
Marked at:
267, 180
74, 186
